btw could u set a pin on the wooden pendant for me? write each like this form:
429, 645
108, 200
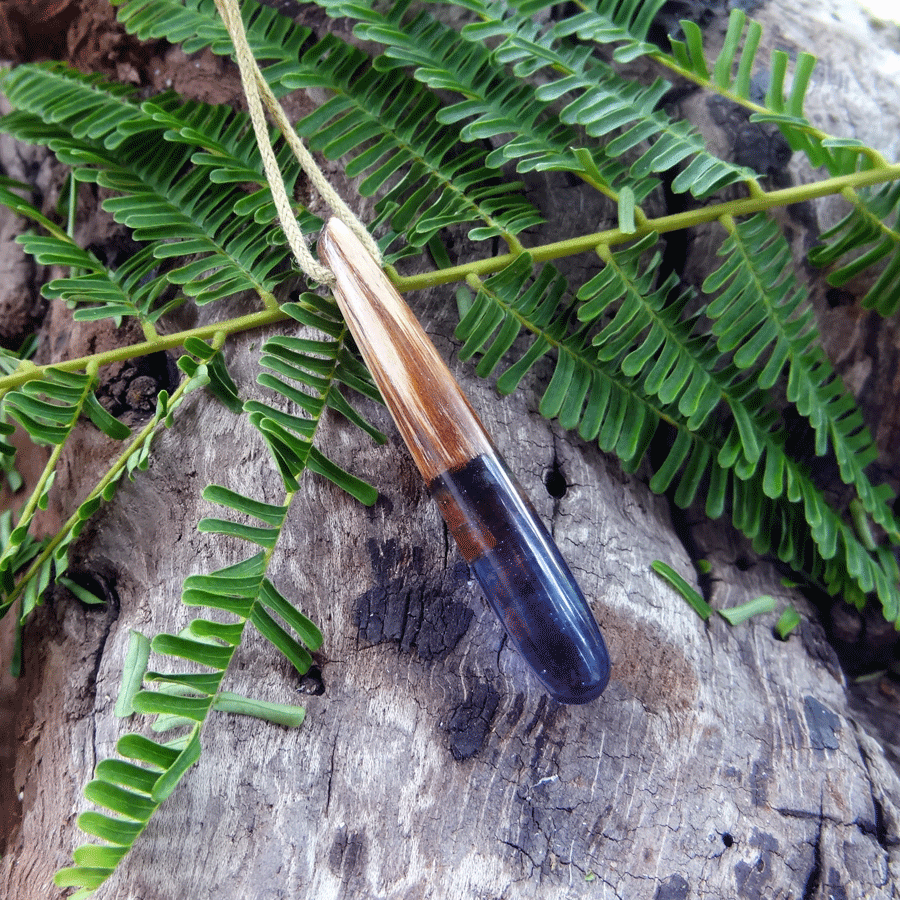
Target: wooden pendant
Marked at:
518, 565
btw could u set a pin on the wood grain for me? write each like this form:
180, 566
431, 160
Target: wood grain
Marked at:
433, 415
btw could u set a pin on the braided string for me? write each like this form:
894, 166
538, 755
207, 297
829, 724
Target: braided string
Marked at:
259, 98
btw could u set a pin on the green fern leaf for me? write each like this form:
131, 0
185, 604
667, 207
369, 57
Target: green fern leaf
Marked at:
762, 315
221, 384
132, 673
265, 537
126, 803
48, 408
868, 237
164, 704
271, 598
229, 154
88, 108
115, 830
732, 76
604, 103
356, 487
384, 123
603, 21
380, 124
127, 775
92, 856
197, 683
136, 746
269, 513
727, 434
277, 42
224, 632
168, 781
279, 713
280, 638
200, 652
310, 371
162, 196
80, 876
496, 105
107, 423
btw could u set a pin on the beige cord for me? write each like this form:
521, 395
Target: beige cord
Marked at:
258, 92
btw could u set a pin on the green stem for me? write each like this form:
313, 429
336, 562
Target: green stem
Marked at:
73, 200
111, 475
30, 506
758, 202
742, 207
27, 371
877, 160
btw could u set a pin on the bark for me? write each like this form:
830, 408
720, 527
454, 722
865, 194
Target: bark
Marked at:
720, 762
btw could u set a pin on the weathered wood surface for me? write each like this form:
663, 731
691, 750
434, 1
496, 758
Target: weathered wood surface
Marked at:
720, 762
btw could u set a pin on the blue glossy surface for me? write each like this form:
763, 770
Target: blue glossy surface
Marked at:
524, 578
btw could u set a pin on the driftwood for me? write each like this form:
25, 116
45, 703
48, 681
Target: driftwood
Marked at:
720, 762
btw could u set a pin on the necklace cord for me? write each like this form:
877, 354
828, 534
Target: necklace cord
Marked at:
259, 99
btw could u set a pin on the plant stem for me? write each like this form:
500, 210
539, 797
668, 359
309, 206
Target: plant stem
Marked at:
758, 202
112, 474
742, 207
27, 371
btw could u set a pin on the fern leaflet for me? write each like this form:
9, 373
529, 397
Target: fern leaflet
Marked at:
603, 103
638, 360
130, 789
870, 236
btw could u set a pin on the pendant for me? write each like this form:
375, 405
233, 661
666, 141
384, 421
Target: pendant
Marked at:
498, 532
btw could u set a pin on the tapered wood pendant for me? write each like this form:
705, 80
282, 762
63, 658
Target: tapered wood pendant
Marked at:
498, 532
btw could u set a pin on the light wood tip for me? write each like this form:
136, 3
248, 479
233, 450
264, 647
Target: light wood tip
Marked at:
341, 238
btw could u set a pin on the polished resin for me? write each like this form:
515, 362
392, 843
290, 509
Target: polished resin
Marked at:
524, 577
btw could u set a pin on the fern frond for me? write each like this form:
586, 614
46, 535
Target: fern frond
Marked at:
98, 292
687, 373
163, 197
627, 359
48, 408
87, 107
383, 122
733, 74
607, 106
866, 238
496, 105
132, 793
307, 373
762, 316
133, 788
